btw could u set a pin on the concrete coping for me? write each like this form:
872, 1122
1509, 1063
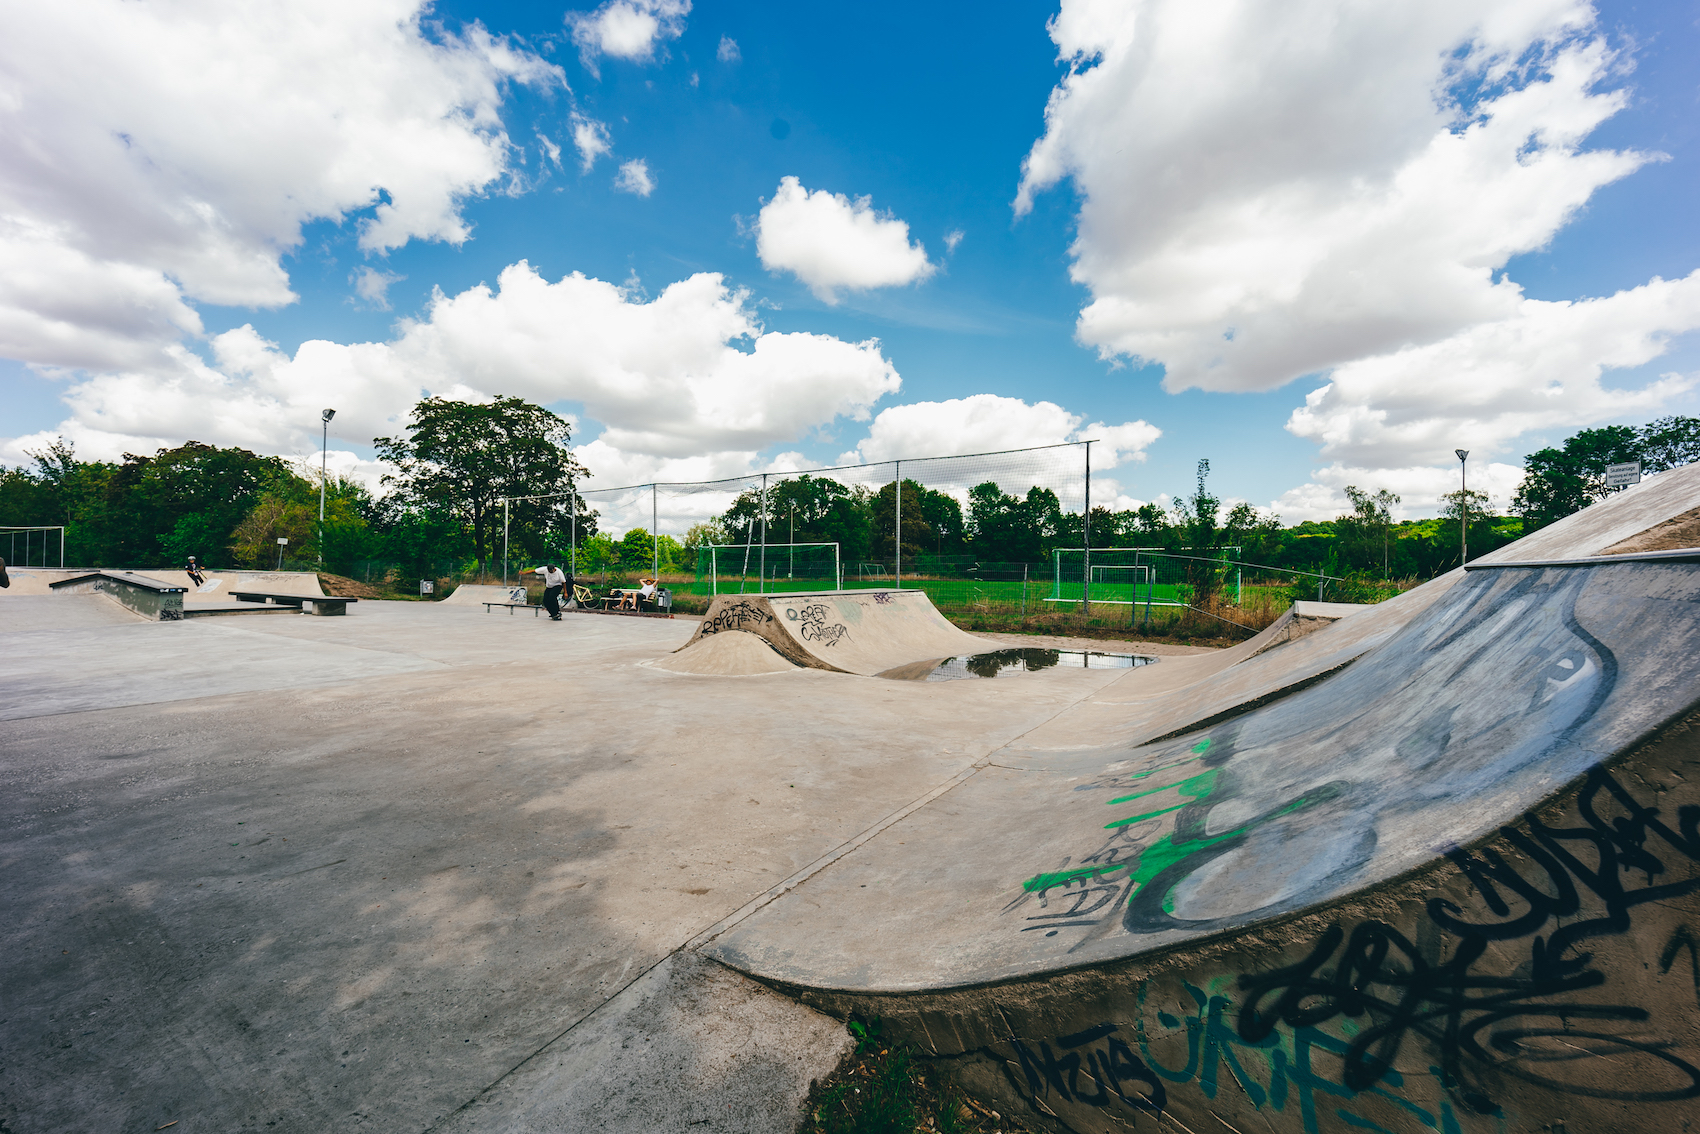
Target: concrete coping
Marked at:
1681, 553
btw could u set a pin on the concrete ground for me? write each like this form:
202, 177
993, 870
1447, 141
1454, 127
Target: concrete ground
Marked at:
425, 868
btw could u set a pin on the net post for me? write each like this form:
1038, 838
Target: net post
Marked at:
1086, 541
654, 536
761, 584
504, 541
897, 536
713, 570
572, 534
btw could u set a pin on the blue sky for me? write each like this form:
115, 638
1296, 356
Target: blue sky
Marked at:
1191, 179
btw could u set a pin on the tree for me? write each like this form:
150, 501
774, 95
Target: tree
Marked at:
1466, 510
824, 511
1558, 482
1010, 529
1365, 532
1669, 442
467, 456
703, 534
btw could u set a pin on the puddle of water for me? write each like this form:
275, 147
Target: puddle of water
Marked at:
1024, 660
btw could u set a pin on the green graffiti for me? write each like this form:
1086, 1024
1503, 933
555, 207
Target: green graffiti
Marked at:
1193, 787
1063, 877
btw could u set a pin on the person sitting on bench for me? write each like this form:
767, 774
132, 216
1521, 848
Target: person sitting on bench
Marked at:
646, 593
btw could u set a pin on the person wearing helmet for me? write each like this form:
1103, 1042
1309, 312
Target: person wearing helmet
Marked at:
193, 570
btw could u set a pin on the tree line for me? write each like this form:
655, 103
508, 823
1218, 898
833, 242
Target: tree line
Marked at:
455, 462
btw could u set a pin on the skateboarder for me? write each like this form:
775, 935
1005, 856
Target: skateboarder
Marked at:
193, 570
553, 581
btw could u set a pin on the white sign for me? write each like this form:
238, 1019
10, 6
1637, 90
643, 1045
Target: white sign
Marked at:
1617, 476
426, 586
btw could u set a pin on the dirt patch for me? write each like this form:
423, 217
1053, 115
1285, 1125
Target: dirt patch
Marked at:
341, 586
1674, 534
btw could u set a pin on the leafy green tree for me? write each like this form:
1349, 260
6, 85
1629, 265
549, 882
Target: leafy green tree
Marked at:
1010, 529
1558, 482
467, 456
821, 509
703, 534
637, 549
1669, 442
1365, 533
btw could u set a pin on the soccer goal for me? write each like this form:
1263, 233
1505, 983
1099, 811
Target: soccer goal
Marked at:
753, 568
1144, 576
33, 546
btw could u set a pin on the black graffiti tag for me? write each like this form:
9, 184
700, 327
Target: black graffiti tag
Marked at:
735, 616
1112, 1068
1377, 972
815, 627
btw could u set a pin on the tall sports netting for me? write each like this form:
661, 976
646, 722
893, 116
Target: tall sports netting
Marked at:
912, 515
743, 568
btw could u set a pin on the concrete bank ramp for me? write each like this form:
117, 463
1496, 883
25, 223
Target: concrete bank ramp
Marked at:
474, 594
730, 653
872, 633
1433, 866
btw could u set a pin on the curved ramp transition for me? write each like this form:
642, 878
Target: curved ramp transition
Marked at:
865, 632
1433, 866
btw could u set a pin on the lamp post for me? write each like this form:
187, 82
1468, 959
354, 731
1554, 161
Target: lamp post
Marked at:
1463, 506
324, 442
282, 542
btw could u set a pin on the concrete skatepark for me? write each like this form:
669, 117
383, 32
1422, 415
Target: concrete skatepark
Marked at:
1429, 865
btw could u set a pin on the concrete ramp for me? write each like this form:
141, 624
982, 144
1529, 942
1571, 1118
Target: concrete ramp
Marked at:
864, 632
474, 594
1435, 865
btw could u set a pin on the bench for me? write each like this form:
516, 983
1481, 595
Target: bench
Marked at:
512, 606
309, 604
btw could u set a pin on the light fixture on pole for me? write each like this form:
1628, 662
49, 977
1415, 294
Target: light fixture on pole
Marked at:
324, 442
1463, 505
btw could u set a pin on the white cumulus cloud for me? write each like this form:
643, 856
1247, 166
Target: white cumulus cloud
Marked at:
591, 140
1272, 190
373, 285
627, 29
157, 155
634, 177
688, 383
833, 242
728, 51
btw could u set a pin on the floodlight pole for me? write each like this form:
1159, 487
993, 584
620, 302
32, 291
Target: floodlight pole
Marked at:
324, 443
654, 535
761, 585
897, 537
572, 533
1086, 540
793, 541
504, 541
1463, 506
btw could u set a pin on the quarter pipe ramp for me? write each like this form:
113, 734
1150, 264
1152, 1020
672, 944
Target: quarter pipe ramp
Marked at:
1433, 866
